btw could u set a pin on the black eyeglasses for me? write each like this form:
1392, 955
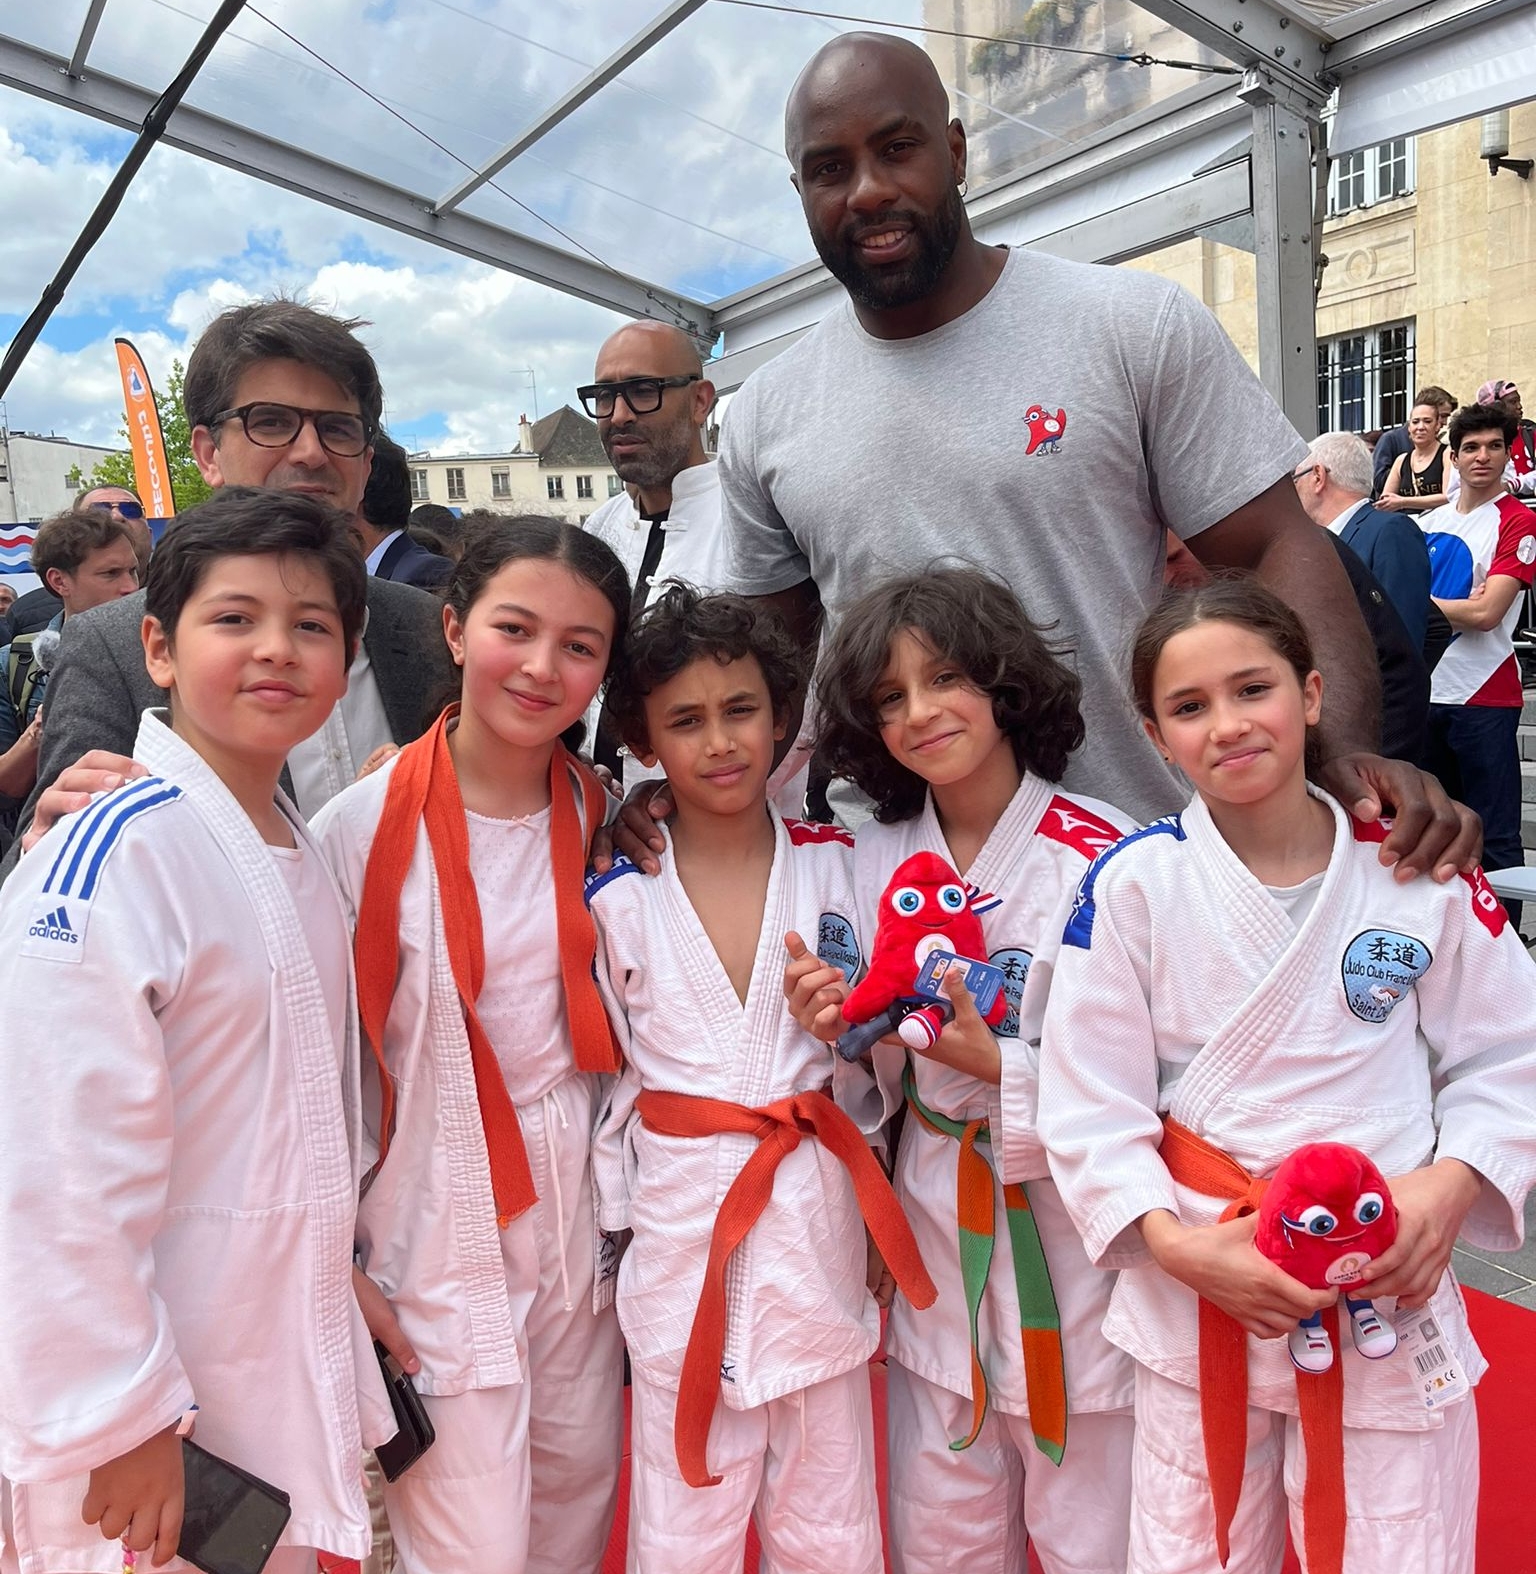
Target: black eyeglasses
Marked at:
127, 510
277, 425
642, 394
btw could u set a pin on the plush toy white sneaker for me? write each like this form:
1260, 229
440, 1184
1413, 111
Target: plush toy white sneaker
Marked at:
1374, 1339
1311, 1348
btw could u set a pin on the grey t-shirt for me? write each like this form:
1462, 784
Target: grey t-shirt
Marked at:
1047, 436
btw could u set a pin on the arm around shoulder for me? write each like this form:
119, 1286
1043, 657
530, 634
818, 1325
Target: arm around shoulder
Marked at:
1477, 1009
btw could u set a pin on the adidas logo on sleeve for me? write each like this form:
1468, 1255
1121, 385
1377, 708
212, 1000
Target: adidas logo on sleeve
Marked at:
61, 911
56, 930
55, 926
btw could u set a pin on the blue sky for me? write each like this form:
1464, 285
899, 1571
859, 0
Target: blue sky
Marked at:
674, 172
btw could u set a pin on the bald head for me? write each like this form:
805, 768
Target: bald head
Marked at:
890, 71
648, 447
664, 351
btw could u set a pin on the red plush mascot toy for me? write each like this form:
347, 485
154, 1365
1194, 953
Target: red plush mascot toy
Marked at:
926, 907
1328, 1213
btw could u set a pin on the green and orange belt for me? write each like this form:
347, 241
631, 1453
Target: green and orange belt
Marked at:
1039, 1321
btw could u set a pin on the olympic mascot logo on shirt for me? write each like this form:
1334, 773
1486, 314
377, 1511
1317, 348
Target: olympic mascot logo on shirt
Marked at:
836, 944
1013, 964
1380, 966
1045, 430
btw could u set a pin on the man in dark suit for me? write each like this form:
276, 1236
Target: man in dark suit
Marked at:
282, 396
1334, 485
383, 518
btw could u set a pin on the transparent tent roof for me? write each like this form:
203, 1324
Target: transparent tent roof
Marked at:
673, 172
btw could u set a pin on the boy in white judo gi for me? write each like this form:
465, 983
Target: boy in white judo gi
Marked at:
179, 1116
1008, 1411
743, 1294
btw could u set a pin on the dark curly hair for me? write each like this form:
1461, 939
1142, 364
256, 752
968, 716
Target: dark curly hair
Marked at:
684, 626
975, 622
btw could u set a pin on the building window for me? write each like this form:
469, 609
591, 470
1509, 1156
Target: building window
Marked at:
615, 486
1365, 380
1371, 175
419, 492
583, 486
456, 486
555, 485
501, 483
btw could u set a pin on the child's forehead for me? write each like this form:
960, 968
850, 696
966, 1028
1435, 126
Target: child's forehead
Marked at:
910, 643
709, 674
266, 574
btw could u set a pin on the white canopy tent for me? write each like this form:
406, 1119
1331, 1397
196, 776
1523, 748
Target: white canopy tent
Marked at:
643, 168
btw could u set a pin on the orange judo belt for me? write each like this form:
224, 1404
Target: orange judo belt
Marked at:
1195, 1163
778, 1128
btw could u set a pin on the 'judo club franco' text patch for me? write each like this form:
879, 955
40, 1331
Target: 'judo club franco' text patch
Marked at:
836, 944
1013, 964
1380, 966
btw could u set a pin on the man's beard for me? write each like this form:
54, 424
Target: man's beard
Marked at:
664, 453
881, 288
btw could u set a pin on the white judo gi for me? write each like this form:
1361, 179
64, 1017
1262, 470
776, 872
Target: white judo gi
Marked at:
791, 1436
1398, 1018
949, 1507
180, 1138
521, 1358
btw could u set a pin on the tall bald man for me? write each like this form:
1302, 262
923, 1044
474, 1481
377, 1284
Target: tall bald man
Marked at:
1041, 418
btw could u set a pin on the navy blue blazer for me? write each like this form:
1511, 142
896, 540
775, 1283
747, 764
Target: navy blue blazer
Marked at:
1393, 548
407, 562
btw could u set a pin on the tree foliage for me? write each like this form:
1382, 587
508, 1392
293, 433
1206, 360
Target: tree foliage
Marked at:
186, 479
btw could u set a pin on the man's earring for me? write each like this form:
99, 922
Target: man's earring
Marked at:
964, 185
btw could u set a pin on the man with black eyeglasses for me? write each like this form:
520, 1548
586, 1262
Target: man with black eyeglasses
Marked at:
281, 396
650, 400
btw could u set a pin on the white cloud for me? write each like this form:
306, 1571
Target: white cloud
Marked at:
674, 173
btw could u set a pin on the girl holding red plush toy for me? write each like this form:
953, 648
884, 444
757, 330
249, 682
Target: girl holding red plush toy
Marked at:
1008, 1411
1236, 982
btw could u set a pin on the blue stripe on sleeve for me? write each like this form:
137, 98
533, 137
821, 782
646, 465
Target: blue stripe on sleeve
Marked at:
1079, 930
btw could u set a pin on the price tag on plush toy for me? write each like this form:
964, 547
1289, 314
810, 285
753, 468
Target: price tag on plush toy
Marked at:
983, 981
1420, 1340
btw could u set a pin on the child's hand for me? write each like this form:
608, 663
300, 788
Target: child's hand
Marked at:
967, 1044
1220, 1262
815, 991
138, 1497
382, 1322
880, 1280
1431, 1205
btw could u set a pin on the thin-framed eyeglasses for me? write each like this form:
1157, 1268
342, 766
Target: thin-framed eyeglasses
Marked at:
643, 395
128, 510
341, 433
1305, 471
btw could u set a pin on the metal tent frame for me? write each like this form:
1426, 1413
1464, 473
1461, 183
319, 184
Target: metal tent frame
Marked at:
1242, 159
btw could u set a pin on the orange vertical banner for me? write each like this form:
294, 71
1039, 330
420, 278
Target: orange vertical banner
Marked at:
150, 469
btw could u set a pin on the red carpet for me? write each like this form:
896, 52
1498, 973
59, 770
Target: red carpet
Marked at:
1506, 1413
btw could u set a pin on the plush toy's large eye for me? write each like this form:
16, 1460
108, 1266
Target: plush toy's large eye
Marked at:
1317, 1220
952, 898
907, 900
1369, 1208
